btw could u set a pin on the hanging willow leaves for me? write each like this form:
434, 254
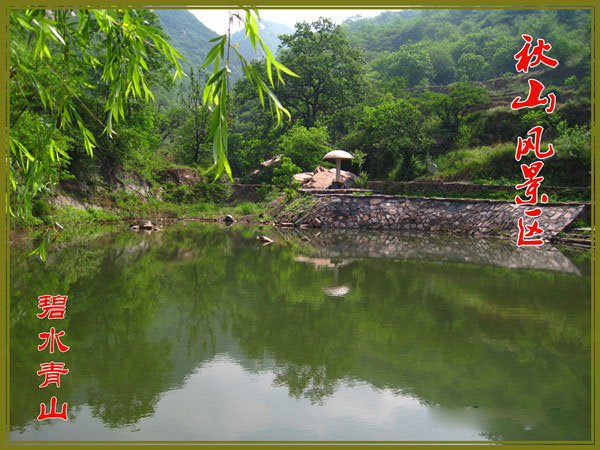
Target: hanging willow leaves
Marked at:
47, 70
55, 39
216, 90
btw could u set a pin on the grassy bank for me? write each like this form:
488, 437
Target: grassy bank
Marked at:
67, 223
569, 166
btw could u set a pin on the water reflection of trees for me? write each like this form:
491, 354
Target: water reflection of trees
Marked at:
146, 311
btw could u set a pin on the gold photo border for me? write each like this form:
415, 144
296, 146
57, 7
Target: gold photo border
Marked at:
306, 4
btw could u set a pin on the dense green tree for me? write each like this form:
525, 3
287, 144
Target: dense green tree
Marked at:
305, 147
444, 67
451, 108
411, 64
330, 72
193, 134
392, 136
471, 67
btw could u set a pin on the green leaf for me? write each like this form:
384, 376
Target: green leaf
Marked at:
207, 93
22, 21
56, 35
269, 72
219, 38
212, 54
281, 67
215, 77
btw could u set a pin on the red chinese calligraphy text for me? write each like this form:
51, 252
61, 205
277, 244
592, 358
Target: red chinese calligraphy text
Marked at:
52, 306
52, 372
52, 337
52, 414
528, 57
531, 236
534, 99
524, 146
534, 212
532, 184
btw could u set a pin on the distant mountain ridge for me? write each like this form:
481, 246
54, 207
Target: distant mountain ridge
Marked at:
191, 38
188, 35
269, 32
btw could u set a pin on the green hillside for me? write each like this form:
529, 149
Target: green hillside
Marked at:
188, 35
191, 37
473, 44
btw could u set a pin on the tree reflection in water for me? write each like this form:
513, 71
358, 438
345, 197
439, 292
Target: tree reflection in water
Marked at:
459, 324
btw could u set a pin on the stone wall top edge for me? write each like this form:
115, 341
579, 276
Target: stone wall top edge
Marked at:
442, 199
464, 183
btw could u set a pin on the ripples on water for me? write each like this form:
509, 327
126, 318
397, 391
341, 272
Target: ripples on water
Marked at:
201, 333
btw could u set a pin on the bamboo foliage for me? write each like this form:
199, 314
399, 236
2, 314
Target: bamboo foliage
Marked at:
216, 90
61, 46
64, 38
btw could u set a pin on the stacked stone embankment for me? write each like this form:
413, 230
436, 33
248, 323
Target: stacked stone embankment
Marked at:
473, 217
445, 188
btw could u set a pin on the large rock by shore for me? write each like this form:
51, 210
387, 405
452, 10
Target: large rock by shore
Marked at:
321, 178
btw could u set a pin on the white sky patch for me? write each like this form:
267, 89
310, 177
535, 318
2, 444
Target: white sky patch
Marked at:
221, 400
217, 19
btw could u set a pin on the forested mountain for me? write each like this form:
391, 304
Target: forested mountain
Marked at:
191, 37
444, 46
188, 35
441, 46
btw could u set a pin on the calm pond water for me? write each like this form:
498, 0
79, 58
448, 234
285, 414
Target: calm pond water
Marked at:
201, 333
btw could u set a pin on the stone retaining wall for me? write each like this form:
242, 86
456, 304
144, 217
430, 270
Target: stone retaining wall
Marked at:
255, 192
424, 187
473, 217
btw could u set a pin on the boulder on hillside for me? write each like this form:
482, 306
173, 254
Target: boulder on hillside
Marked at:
61, 201
180, 175
304, 177
273, 161
265, 172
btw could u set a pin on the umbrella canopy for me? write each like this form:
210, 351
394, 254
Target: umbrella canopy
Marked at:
338, 154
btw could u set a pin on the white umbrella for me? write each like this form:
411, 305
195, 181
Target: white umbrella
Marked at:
338, 155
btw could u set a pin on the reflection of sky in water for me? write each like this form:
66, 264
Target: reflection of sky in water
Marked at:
169, 344
222, 401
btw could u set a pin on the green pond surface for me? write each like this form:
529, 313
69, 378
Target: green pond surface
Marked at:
200, 332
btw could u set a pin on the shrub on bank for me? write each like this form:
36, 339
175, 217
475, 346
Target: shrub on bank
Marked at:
478, 163
199, 192
570, 165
